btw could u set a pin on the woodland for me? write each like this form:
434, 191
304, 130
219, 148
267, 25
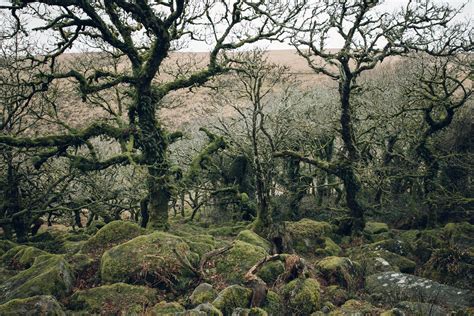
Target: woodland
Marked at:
139, 176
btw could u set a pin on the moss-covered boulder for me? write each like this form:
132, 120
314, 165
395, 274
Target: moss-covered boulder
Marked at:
118, 298
233, 297
167, 309
203, 293
112, 234
36, 305
21, 257
200, 243
327, 247
335, 294
377, 261
270, 271
340, 271
393, 245
254, 239
49, 275
452, 266
206, 309
392, 287
161, 259
301, 297
355, 307
372, 228
233, 264
273, 304
303, 236
460, 234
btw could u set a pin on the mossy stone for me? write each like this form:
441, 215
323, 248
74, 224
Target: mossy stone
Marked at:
273, 304
21, 257
382, 261
36, 305
112, 234
354, 306
301, 296
327, 247
167, 309
254, 239
460, 234
270, 271
203, 293
373, 228
304, 234
158, 258
94, 226
5, 274
114, 299
233, 264
335, 294
232, 297
49, 275
340, 271
205, 309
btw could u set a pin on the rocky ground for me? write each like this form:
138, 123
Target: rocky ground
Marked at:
120, 268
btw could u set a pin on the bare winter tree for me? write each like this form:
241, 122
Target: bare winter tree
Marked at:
141, 33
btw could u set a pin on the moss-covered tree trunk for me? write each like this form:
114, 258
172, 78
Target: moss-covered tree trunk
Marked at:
153, 143
348, 174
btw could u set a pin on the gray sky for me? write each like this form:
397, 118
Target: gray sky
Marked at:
333, 42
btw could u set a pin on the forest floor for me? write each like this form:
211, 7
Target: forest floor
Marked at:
195, 269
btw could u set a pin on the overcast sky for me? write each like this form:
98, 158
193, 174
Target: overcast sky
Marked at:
388, 5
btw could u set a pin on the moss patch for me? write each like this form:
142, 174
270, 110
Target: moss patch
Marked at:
21, 257
160, 259
232, 297
270, 271
203, 293
233, 264
36, 305
373, 228
49, 275
304, 235
340, 271
254, 239
301, 296
114, 299
112, 234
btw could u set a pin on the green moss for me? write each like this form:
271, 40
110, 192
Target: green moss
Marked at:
304, 235
203, 309
460, 234
273, 304
118, 298
255, 311
372, 228
301, 296
232, 297
270, 271
159, 258
72, 247
167, 308
80, 262
227, 231
49, 275
21, 257
335, 294
203, 293
36, 305
233, 264
340, 271
254, 239
112, 234
354, 306
327, 247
